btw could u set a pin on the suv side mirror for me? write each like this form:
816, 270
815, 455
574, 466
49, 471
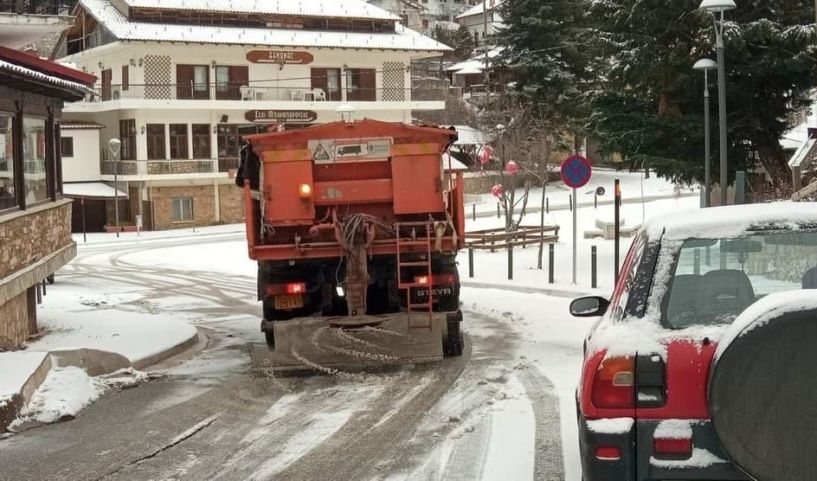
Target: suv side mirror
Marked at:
591, 306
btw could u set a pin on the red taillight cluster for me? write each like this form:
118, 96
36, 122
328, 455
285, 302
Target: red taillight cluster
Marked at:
437, 280
290, 288
614, 383
673, 447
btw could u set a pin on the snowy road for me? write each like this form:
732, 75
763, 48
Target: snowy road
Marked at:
500, 412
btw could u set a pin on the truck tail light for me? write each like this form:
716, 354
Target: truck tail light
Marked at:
305, 191
290, 288
438, 280
673, 447
614, 383
608, 453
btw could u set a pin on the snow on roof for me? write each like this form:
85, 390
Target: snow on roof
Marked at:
451, 164
91, 189
475, 62
469, 136
764, 310
477, 9
123, 29
731, 221
300, 8
469, 71
56, 81
803, 154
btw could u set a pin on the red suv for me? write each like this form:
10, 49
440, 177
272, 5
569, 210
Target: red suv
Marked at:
703, 364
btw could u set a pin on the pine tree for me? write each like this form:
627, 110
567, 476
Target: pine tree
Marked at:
648, 107
543, 48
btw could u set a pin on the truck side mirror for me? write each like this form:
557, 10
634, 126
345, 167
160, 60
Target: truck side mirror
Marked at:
591, 306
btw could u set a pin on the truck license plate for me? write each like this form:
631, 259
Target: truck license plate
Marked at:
288, 302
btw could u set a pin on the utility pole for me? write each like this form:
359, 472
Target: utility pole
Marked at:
485, 39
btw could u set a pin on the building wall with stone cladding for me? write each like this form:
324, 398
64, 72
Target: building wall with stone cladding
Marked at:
232, 204
203, 205
25, 239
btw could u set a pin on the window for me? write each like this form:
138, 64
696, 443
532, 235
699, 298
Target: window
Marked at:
34, 148
328, 80
178, 141
127, 134
156, 141
425, 23
67, 146
229, 80
125, 78
201, 141
192, 82
8, 199
227, 141
106, 84
716, 279
627, 278
182, 209
360, 84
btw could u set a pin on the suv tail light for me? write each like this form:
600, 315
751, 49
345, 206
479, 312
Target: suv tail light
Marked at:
614, 383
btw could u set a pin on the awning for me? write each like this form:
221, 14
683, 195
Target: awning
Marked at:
469, 136
91, 190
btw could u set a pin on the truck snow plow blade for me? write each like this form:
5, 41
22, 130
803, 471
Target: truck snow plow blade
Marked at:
335, 345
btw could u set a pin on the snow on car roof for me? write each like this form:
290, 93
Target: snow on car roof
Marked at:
764, 310
123, 29
301, 8
731, 221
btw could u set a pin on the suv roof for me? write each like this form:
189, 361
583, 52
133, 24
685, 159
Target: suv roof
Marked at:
731, 221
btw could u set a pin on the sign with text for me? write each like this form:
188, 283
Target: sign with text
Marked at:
280, 57
332, 151
281, 116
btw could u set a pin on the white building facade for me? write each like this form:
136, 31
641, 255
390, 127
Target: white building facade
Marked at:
182, 81
480, 24
425, 15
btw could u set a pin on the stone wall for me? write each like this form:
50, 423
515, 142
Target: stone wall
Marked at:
203, 205
33, 244
232, 204
14, 322
31, 235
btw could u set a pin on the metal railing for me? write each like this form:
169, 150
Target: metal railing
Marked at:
37, 7
262, 93
166, 167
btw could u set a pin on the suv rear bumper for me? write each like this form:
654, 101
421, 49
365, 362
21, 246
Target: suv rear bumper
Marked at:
637, 461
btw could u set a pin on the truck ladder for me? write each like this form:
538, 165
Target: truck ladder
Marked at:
415, 241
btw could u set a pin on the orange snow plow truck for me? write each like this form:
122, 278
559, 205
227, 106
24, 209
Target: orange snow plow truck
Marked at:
355, 227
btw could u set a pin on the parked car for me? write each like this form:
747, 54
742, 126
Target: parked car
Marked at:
703, 363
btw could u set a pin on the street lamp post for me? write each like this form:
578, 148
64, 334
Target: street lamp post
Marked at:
717, 9
706, 65
114, 145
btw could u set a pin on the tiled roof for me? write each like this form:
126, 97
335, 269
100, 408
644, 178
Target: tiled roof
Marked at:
50, 79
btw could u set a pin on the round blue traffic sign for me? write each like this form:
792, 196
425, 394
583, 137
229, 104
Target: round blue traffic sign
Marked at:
576, 171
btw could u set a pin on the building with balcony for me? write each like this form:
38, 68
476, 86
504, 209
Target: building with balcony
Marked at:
23, 22
35, 218
181, 81
426, 15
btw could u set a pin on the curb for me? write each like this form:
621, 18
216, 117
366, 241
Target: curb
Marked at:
549, 291
95, 362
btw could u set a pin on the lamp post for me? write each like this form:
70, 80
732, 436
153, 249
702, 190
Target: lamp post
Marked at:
717, 9
114, 145
706, 64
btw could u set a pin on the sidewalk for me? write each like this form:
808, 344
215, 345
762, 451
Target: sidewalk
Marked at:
89, 348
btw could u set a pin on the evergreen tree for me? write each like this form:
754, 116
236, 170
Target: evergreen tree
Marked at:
543, 46
649, 105
459, 40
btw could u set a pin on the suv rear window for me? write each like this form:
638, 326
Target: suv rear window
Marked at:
714, 280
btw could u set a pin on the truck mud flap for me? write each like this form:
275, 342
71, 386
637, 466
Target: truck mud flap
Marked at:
334, 345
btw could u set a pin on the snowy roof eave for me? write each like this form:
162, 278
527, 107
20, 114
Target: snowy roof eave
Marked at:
352, 9
403, 39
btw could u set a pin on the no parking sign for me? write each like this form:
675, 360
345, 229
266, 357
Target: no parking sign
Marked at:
576, 171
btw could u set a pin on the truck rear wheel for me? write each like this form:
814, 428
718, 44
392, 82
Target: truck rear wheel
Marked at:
452, 342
